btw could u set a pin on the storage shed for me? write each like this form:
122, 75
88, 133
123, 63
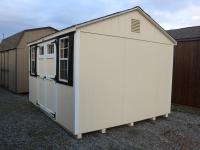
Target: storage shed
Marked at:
14, 58
186, 71
106, 72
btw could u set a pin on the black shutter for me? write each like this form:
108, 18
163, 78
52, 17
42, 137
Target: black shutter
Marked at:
57, 60
71, 59
36, 60
30, 67
30, 52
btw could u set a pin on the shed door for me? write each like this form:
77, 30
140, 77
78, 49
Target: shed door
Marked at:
47, 94
47, 91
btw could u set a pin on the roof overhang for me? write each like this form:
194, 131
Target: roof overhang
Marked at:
75, 27
52, 36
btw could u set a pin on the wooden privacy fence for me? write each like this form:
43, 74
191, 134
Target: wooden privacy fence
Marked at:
186, 73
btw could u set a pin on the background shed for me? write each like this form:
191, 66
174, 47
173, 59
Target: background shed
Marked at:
14, 58
186, 70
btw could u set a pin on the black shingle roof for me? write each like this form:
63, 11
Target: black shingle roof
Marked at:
185, 33
12, 41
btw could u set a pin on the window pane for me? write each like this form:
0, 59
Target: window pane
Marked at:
33, 54
62, 53
66, 43
41, 50
63, 69
66, 53
33, 60
62, 43
33, 67
50, 49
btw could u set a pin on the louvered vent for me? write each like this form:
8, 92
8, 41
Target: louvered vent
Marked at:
135, 26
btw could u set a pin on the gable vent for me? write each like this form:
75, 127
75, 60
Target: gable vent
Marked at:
135, 26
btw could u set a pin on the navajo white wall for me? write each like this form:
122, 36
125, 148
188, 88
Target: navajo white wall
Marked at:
124, 76
65, 107
33, 89
45, 89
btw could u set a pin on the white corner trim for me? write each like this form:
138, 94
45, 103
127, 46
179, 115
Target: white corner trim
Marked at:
76, 80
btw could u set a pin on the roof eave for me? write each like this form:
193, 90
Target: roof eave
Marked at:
52, 36
74, 28
127, 11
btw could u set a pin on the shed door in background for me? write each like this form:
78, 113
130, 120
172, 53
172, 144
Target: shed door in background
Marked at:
186, 74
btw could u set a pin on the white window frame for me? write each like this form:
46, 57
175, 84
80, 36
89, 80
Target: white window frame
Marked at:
67, 59
33, 59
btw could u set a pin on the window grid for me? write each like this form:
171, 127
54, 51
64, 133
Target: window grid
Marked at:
64, 59
33, 60
50, 48
41, 52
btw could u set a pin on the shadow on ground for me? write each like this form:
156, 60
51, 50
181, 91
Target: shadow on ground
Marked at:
22, 126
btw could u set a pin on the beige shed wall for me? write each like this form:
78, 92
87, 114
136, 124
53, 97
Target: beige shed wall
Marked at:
121, 26
64, 102
122, 80
12, 70
33, 90
46, 66
65, 107
23, 57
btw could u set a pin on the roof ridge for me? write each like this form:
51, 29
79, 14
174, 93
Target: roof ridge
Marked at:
184, 28
39, 28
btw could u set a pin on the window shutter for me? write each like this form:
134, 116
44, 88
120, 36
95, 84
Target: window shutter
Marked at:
71, 59
57, 59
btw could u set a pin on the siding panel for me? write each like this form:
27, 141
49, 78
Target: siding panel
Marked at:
12, 70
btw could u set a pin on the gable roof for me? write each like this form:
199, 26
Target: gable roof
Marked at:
76, 26
185, 33
12, 42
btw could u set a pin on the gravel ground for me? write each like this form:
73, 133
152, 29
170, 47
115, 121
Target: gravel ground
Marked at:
22, 126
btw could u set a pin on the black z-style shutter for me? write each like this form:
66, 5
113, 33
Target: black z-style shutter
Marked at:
36, 60
71, 59
30, 52
57, 59
30, 67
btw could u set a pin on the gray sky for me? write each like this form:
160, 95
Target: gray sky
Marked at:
16, 15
